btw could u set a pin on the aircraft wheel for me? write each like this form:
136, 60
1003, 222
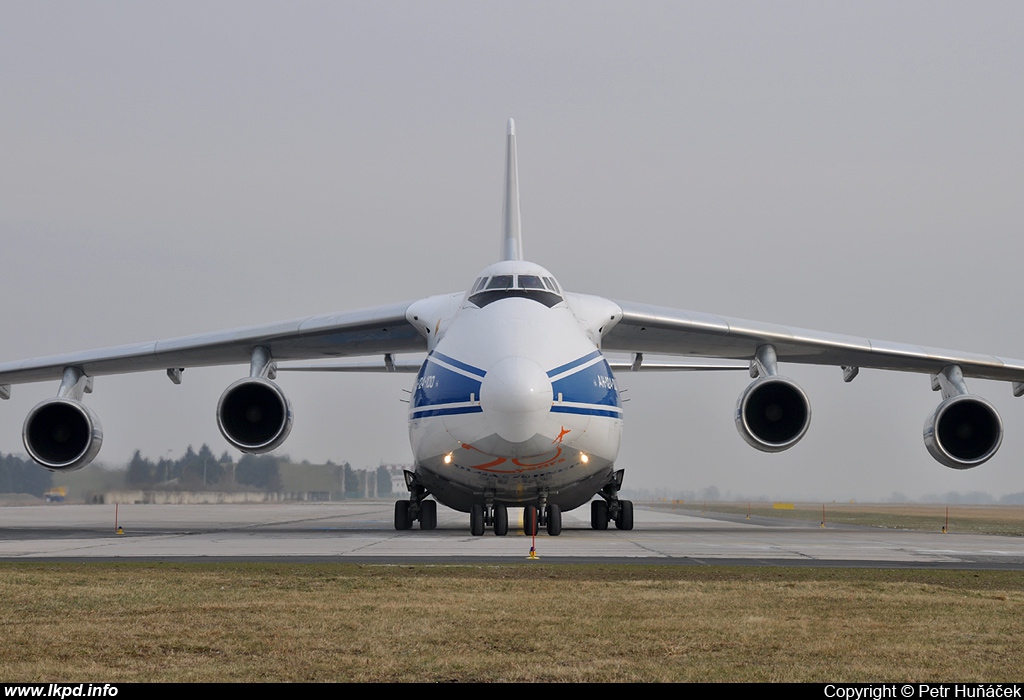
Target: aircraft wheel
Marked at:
624, 521
530, 520
476, 520
599, 515
428, 515
500, 519
402, 519
554, 520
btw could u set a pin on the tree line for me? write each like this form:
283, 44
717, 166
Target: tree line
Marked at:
200, 470
22, 475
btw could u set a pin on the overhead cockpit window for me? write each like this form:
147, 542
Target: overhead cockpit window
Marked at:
533, 287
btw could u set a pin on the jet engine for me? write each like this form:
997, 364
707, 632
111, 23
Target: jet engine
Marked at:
773, 413
62, 434
254, 415
963, 432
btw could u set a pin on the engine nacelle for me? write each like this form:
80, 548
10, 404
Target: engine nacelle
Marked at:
254, 415
773, 413
963, 432
62, 434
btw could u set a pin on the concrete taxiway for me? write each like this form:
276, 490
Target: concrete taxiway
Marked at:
363, 532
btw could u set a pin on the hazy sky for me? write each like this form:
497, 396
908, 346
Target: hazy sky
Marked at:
852, 167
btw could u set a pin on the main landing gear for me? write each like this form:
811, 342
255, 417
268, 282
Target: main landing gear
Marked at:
416, 508
610, 507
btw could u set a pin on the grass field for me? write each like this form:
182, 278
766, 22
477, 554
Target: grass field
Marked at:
508, 622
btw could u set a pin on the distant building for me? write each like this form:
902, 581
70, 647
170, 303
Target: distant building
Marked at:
397, 474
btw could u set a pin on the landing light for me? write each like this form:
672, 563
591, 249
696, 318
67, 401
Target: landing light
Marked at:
584, 458
448, 458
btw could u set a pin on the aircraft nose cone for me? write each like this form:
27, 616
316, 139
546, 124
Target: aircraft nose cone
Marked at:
515, 396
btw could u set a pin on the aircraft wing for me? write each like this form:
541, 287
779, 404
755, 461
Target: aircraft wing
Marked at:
387, 364
376, 330
655, 329
391, 364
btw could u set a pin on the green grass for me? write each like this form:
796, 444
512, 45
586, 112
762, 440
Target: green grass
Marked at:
507, 622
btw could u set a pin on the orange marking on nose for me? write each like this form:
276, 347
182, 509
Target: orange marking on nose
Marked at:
488, 465
536, 465
565, 431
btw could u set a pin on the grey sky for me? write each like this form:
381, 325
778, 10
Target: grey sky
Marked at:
854, 167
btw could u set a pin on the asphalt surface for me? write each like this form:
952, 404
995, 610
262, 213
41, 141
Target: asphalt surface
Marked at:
363, 532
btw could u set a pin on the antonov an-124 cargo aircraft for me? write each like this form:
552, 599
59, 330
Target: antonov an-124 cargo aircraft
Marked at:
515, 403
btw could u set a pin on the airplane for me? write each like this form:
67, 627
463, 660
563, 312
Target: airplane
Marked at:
515, 403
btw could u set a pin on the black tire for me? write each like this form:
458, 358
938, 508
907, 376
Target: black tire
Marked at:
554, 520
599, 515
624, 521
476, 520
402, 519
428, 515
500, 519
530, 520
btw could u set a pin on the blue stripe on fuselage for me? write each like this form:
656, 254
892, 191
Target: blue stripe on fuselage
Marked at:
583, 411
437, 385
455, 363
452, 411
569, 365
593, 384
442, 391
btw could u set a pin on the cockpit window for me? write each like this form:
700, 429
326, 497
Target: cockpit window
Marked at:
532, 287
477, 285
500, 282
530, 282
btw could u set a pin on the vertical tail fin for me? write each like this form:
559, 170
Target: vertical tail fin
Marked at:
512, 234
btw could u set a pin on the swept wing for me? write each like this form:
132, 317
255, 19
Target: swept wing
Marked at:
773, 413
656, 329
376, 330
253, 414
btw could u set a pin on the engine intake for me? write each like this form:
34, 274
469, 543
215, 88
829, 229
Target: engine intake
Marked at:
62, 434
963, 432
254, 415
772, 414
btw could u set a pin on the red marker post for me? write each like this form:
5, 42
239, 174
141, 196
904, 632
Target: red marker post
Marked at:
533, 543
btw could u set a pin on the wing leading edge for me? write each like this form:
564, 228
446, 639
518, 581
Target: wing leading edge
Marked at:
376, 330
656, 329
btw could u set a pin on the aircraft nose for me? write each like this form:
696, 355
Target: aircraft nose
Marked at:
515, 396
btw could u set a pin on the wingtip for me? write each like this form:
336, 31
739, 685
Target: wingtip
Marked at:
511, 127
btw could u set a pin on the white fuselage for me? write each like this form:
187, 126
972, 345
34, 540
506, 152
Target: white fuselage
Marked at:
514, 400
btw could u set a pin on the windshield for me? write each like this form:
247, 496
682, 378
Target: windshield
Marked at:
534, 287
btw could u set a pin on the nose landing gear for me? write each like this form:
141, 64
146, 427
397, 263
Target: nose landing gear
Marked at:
493, 514
548, 516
